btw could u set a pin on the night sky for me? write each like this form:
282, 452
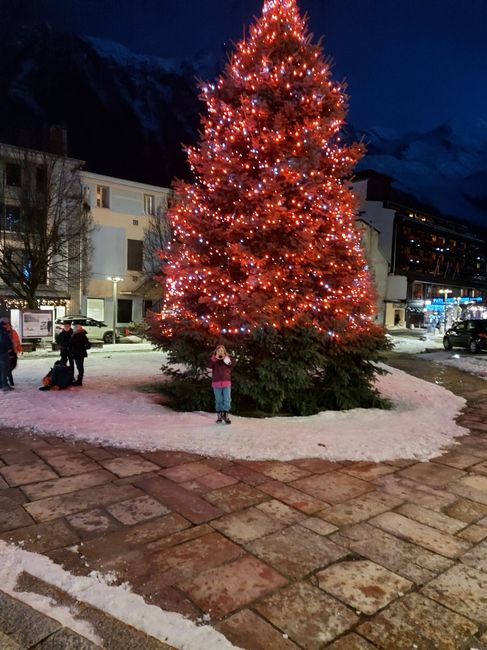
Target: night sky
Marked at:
410, 64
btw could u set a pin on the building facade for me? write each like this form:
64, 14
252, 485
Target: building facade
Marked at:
123, 213
437, 266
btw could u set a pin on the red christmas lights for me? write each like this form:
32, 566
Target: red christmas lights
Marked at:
266, 233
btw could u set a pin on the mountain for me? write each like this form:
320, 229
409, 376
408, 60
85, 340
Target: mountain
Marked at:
444, 168
127, 115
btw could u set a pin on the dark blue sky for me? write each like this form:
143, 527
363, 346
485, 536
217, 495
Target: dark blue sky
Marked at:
410, 64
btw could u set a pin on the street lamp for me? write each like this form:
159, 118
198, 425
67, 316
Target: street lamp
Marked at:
445, 293
115, 280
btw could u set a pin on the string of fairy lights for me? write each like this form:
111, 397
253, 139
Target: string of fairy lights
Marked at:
266, 233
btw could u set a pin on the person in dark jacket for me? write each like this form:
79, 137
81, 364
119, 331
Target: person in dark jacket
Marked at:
60, 376
6, 347
77, 347
62, 339
221, 364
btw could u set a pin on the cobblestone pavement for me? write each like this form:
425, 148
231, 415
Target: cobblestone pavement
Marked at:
280, 555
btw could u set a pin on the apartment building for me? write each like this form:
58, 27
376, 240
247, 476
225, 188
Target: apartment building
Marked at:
437, 267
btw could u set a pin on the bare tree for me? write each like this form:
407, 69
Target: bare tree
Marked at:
157, 237
44, 224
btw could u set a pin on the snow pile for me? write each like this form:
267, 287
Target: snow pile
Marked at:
473, 364
109, 410
169, 627
414, 344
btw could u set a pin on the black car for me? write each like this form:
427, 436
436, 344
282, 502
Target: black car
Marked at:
470, 334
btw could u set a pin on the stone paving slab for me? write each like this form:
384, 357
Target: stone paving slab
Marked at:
22, 474
333, 487
6, 643
351, 642
473, 533
72, 464
431, 474
473, 486
426, 536
359, 509
66, 485
307, 615
246, 525
362, 585
69, 504
462, 589
415, 492
187, 472
249, 631
292, 497
417, 622
14, 517
466, 510
176, 498
278, 471
226, 588
457, 460
92, 523
408, 560
172, 565
133, 511
431, 518
296, 551
368, 471
129, 466
476, 557
40, 538
281, 512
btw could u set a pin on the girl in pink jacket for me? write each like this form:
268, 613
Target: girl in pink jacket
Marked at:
221, 365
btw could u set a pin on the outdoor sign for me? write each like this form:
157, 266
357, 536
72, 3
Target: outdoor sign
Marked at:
36, 324
441, 301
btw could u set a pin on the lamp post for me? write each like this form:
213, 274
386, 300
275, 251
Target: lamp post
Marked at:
115, 280
445, 293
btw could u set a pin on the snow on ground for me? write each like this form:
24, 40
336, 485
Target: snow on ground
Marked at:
415, 341
110, 410
118, 602
474, 364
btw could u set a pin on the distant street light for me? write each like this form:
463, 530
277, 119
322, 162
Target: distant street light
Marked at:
115, 280
445, 293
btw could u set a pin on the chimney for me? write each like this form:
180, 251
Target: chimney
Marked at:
58, 140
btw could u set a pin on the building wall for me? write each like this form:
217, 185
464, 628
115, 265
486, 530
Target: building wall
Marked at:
122, 220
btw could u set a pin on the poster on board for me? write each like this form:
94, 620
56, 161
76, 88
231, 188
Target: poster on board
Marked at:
36, 324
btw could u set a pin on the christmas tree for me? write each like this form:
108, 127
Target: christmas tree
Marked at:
265, 256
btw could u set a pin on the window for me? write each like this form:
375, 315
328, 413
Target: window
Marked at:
135, 222
124, 313
102, 196
41, 179
95, 308
134, 255
13, 175
147, 306
10, 219
149, 202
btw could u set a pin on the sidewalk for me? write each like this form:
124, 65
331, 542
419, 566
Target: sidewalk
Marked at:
276, 555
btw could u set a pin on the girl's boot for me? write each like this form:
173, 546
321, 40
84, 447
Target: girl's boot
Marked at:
219, 416
226, 419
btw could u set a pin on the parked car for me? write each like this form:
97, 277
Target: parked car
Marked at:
96, 329
469, 334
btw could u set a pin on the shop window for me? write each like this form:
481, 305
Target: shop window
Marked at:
124, 311
147, 306
41, 179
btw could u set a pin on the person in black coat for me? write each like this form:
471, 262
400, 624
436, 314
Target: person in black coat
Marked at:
62, 339
6, 347
77, 347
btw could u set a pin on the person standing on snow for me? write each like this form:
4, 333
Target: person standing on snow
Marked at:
77, 348
6, 346
221, 365
62, 339
16, 350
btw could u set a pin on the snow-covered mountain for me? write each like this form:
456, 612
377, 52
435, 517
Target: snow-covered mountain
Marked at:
127, 115
445, 168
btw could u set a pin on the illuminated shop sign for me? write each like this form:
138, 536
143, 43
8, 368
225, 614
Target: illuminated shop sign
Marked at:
464, 299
